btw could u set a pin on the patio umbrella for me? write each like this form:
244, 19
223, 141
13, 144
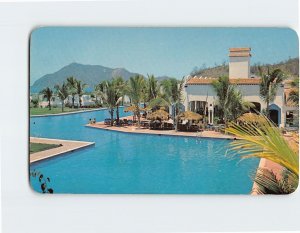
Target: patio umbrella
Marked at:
158, 115
189, 115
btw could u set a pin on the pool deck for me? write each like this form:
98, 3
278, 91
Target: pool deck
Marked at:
67, 146
136, 130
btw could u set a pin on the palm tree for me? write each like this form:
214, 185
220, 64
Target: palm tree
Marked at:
71, 84
173, 90
269, 85
134, 90
79, 87
230, 100
63, 93
234, 105
108, 96
119, 85
98, 89
153, 88
269, 183
35, 102
221, 87
48, 94
262, 139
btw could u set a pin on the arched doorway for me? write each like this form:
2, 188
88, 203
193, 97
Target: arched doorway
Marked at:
275, 114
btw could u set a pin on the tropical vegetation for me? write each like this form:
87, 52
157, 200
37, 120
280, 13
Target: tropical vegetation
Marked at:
262, 139
269, 85
63, 93
108, 92
71, 82
294, 93
79, 90
173, 91
230, 102
134, 90
47, 94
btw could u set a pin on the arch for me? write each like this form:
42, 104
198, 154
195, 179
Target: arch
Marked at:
275, 114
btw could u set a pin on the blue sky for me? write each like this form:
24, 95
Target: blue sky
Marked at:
159, 51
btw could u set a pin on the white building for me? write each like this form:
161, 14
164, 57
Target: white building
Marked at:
86, 101
199, 92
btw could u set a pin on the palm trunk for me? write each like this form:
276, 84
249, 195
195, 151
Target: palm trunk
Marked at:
176, 123
139, 116
111, 117
73, 100
118, 115
62, 105
80, 101
139, 119
176, 118
49, 104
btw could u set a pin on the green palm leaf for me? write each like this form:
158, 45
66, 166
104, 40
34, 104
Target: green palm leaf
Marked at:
263, 140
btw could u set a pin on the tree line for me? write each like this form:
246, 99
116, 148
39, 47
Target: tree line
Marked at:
71, 86
155, 94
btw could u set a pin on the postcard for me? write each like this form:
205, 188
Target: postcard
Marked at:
153, 110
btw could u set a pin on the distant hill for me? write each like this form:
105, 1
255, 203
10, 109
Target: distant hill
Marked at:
89, 74
161, 78
290, 67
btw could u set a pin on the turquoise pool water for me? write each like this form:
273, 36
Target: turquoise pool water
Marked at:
133, 163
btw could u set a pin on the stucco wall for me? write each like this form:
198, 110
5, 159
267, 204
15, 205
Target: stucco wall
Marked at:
239, 67
199, 93
250, 93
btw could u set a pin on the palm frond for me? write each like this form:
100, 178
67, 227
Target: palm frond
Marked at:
263, 140
268, 183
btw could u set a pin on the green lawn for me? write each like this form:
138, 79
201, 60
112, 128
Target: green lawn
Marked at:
37, 147
43, 111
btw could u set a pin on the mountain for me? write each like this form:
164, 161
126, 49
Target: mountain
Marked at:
89, 74
290, 67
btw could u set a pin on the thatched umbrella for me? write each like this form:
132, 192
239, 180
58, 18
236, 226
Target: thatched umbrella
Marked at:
158, 115
189, 115
251, 118
133, 108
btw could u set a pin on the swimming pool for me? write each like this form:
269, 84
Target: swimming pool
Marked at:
135, 163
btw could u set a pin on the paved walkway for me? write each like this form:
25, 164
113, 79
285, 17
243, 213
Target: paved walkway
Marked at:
67, 146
